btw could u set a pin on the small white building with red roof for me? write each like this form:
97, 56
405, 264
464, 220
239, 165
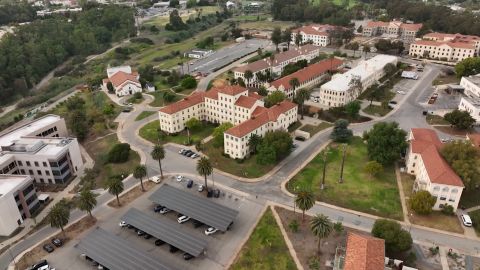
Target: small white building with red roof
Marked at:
431, 170
124, 81
318, 34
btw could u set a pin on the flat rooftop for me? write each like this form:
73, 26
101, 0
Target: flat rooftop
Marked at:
116, 253
475, 79
196, 207
28, 129
169, 231
9, 182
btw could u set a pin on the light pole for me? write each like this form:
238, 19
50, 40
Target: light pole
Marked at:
344, 148
325, 155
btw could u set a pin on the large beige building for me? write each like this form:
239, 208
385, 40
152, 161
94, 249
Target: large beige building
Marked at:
340, 90
233, 104
276, 65
432, 172
317, 34
18, 201
393, 29
449, 51
457, 38
42, 150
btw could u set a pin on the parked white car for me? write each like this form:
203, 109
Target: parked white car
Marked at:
200, 188
122, 224
179, 178
210, 231
155, 179
183, 219
467, 221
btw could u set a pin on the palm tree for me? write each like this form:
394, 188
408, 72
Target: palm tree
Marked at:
254, 142
158, 153
366, 49
115, 187
59, 215
87, 201
204, 168
140, 172
305, 200
303, 94
248, 76
294, 83
321, 227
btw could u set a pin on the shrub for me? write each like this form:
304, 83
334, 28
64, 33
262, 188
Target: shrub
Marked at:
293, 226
338, 227
119, 153
422, 202
447, 210
137, 95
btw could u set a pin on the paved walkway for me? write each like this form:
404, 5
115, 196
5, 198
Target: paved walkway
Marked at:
443, 258
402, 194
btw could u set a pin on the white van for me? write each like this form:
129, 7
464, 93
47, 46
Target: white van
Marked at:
467, 221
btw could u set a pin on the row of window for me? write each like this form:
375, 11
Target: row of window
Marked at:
35, 163
48, 132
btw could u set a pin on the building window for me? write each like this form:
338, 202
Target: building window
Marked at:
36, 164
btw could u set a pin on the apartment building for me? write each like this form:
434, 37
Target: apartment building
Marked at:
317, 34
18, 201
443, 37
432, 172
275, 65
42, 150
233, 104
393, 29
449, 51
307, 77
470, 102
339, 91
278, 117
124, 80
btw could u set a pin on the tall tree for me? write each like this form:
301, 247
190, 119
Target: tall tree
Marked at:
352, 109
287, 37
366, 50
115, 187
422, 202
459, 119
218, 137
204, 168
467, 67
302, 95
192, 124
248, 76
158, 153
298, 39
59, 215
274, 98
354, 46
385, 142
341, 133
355, 87
294, 83
464, 158
277, 36
140, 172
396, 238
87, 201
321, 227
304, 199
253, 142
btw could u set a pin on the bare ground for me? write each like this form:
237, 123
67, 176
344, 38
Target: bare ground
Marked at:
131, 195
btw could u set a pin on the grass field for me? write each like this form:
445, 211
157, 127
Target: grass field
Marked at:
150, 132
163, 20
470, 198
265, 25
265, 249
375, 110
159, 101
144, 115
436, 120
248, 168
315, 129
378, 196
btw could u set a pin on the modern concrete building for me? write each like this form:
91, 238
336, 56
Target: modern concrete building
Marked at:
393, 29
432, 172
42, 150
124, 81
317, 34
233, 104
341, 90
18, 200
275, 65
471, 101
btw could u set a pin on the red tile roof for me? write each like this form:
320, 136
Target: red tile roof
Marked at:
372, 24
260, 117
246, 102
121, 77
310, 72
231, 90
426, 143
364, 252
194, 99
446, 36
452, 44
411, 26
254, 66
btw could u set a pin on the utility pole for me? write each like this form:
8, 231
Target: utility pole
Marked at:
325, 153
344, 149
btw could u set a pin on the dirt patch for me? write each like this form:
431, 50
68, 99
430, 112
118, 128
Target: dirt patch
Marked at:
131, 195
451, 131
219, 82
37, 253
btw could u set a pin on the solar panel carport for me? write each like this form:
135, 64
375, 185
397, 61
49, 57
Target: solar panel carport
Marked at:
196, 207
116, 253
169, 231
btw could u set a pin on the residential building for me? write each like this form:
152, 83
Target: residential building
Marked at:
124, 81
447, 51
317, 34
432, 172
339, 91
470, 102
233, 104
275, 65
307, 77
443, 37
42, 150
393, 29
18, 201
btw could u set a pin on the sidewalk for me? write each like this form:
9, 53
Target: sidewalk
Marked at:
402, 195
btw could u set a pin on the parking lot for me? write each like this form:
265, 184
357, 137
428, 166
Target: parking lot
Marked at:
224, 56
220, 246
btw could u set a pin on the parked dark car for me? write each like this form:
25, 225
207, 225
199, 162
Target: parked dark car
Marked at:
190, 183
157, 208
197, 223
140, 233
48, 248
188, 152
216, 193
300, 138
130, 226
147, 236
159, 242
187, 256
57, 242
173, 249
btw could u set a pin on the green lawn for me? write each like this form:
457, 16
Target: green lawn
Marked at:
144, 115
163, 20
378, 196
265, 25
433, 119
159, 101
150, 132
98, 150
265, 249
294, 126
248, 168
375, 110
135, 100
315, 129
